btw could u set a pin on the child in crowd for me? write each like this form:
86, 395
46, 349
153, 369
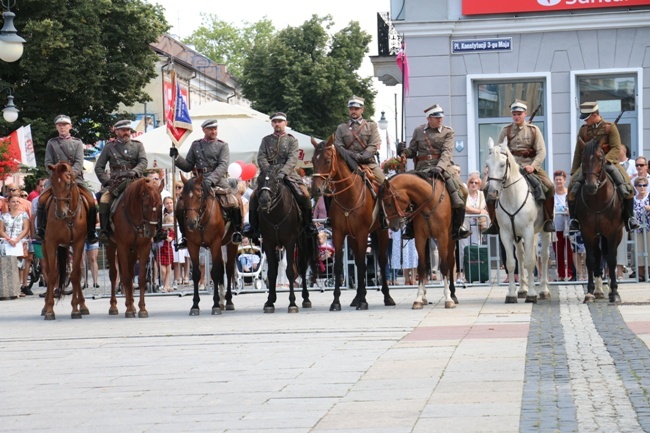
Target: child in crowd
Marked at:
166, 255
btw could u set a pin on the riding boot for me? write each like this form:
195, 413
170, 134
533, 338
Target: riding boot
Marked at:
494, 227
236, 220
630, 220
305, 206
253, 230
104, 221
574, 225
458, 230
180, 217
549, 208
454, 195
41, 220
91, 223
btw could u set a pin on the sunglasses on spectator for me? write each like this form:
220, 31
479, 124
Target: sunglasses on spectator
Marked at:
640, 165
24, 195
13, 189
473, 181
179, 187
642, 185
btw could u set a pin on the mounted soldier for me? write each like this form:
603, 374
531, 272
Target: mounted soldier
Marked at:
66, 148
432, 149
526, 143
127, 161
609, 139
210, 156
280, 150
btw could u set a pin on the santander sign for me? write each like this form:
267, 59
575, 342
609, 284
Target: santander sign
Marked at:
485, 7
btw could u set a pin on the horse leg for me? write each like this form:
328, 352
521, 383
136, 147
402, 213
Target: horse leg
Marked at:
291, 275
359, 249
75, 279
451, 258
511, 297
612, 247
598, 272
591, 266
337, 239
216, 273
193, 249
544, 293
231, 251
143, 257
420, 244
522, 259
273, 262
307, 253
52, 280
126, 260
112, 275
446, 248
382, 257
528, 252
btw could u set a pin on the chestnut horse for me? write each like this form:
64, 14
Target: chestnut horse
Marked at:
66, 228
598, 209
431, 216
135, 222
353, 213
206, 227
281, 226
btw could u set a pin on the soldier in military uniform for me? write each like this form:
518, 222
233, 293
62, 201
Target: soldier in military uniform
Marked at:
280, 150
526, 143
432, 147
609, 139
360, 138
66, 148
127, 161
210, 156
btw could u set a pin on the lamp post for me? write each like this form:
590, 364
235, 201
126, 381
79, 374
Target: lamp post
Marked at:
11, 45
382, 123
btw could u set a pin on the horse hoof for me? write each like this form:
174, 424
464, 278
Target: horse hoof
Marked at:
424, 301
614, 299
531, 299
143, 314
230, 307
306, 304
216, 311
335, 307
450, 304
130, 314
43, 311
522, 294
354, 303
85, 311
49, 316
112, 312
293, 309
511, 299
455, 299
270, 309
589, 299
545, 296
75, 315
195, 312
389, 302
599, 295
417, 306
362, 306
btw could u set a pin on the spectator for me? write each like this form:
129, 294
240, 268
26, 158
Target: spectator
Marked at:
405, 257
181, 256
641, 165
248, 259
562, 248
320, 211
325, 252
24, 206
14, 232
626, 162
166, 253
475, 205
40, 185
642, 211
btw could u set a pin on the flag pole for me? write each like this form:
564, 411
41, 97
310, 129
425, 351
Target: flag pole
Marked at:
173, 108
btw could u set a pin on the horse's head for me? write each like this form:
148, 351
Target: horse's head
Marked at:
499, 167
62, 181
593, 166
393, 206
324, 165
268, 187
193, 203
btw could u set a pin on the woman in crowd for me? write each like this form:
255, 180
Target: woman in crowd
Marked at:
562, 248
14, 228
642, 214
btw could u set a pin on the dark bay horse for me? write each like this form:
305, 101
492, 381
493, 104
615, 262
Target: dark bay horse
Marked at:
281, 227
353, 213
206, 227
66, 228
431, 216
134, 224
598, 209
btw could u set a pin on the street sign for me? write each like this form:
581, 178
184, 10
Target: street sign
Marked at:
481, 45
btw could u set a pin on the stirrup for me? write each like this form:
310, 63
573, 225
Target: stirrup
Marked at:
632, 224
574, 225
408, 232
549, 226
492, 230
236, 238
40, 234
181, 244
104, 237
91, 237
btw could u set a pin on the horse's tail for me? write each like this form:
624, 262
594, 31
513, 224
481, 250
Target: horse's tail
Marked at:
62, 267
309, 247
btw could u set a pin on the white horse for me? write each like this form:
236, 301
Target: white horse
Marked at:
519, 218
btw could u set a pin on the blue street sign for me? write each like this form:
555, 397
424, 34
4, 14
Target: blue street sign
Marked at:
481, 45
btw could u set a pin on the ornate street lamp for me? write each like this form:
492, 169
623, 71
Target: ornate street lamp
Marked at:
10, 112
11, 45
382, 123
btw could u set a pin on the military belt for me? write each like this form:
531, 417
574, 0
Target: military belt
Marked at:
528, 153
122, 167
428, 157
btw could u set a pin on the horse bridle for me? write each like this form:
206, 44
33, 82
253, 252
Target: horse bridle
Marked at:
602, 178
144, 227
327, 178
504, 178
409, 216
69, 214
201, 211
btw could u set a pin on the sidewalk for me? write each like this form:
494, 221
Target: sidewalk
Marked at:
388, 369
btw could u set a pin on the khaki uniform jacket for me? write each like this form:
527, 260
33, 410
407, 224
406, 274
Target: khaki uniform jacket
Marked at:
121, 157
599, 131
521, 141
369, 134
70, 150
439, 154
282, 151
211, 157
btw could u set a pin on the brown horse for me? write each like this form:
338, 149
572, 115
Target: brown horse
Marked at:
431, 218
66, 228
206, 226
135, 222
353, 213
598, 209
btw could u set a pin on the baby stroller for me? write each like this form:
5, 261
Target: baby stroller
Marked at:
250, 263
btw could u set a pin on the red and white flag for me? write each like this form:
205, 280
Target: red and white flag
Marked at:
177, 113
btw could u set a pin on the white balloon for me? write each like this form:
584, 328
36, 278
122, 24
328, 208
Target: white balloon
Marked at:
234, 170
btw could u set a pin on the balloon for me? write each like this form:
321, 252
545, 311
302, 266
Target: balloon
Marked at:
234, 170
249, 172
241, 163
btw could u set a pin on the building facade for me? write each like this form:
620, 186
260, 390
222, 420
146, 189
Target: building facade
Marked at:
474, 57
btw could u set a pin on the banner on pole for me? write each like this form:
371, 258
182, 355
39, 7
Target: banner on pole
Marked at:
177, 113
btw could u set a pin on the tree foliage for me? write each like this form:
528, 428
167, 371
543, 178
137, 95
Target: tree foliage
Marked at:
82, 58
309, 75
227, 44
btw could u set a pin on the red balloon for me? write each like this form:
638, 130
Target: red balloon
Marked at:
241, 163
248, 172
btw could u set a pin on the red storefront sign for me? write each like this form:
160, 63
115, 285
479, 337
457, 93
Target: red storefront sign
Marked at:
483, 7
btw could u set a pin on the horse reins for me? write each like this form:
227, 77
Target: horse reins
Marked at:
70, 215
407, 217
202, 212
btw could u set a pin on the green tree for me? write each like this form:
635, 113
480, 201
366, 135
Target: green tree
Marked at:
82, 58
309, 75
227, 44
